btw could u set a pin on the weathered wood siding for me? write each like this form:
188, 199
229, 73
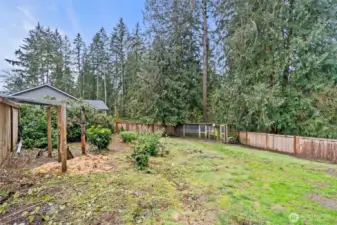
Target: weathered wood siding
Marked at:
315, 148
8, 129
5, 131
15, 125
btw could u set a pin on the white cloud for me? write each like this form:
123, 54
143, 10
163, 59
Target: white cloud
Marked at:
26, 13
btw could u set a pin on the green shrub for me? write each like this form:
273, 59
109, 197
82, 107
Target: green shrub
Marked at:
99, 136
33, 124
128, 136
148, 144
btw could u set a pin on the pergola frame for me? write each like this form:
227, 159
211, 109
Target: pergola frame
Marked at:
62, 146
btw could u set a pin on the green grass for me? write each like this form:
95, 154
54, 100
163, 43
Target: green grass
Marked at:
238, 186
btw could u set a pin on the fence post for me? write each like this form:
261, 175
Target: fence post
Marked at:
266, 140
295, 144
183, 130
246, 138
199, 131
117, 129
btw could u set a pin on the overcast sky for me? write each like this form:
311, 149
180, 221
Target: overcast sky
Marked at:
17, 17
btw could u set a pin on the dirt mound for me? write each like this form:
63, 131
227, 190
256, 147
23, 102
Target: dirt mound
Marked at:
79, 165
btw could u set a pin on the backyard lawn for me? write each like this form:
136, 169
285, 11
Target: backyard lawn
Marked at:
197, 183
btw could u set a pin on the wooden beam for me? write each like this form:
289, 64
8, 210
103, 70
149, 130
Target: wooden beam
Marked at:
62, 124
83, 140
58, 134
50, 145
116, 128
12, 129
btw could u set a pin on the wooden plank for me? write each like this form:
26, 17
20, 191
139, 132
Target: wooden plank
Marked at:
83, 138
62, 120
12, 129
116, 127
50, 145
58, 134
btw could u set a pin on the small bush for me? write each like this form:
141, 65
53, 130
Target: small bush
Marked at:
148, 144
99, 136
233, 140
128, 136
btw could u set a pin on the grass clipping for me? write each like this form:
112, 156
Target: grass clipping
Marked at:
79, 165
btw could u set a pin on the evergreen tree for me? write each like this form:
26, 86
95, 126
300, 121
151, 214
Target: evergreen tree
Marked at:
78, 54
118, 54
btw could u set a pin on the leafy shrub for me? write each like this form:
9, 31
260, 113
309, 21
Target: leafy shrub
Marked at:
99, 136
233, 140
33, 124
128, 136
148, 144
33, 127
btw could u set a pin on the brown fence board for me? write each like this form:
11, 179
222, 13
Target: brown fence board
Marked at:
308, 147
317, 148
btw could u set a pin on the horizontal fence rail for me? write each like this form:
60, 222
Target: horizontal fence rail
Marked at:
138, 127
308, 147
217, 132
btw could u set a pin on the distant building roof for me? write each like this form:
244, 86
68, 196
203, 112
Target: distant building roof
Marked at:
98, 104
42, 86
37, 94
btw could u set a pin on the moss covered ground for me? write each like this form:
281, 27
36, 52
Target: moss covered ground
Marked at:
197, 183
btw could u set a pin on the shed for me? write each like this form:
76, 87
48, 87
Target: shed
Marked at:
42, 91
7, 102
9, 127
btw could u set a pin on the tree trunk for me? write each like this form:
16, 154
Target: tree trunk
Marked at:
205, 60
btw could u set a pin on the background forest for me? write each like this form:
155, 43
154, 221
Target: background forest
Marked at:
271, 66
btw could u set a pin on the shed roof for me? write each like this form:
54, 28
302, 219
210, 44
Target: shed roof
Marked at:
45, 85
34, 101
98, 104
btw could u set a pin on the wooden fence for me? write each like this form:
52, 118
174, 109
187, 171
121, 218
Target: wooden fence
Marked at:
9, 128
138, 127
315, 148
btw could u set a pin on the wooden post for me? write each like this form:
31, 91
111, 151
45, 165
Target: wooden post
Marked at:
58, 135
127, 125
152, 127
83, 141
12, 128
226, 135
116, 127
50, 145
199, 131
266, 141
137, 127
295, 144
246, 138
184, 130
62, 124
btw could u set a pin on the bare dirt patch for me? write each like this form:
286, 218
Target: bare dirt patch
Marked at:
326, 202
108, 218
80, 165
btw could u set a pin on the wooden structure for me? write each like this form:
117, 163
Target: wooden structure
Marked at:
9, 127
212, 131
61, 124
139, 127
307, 147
